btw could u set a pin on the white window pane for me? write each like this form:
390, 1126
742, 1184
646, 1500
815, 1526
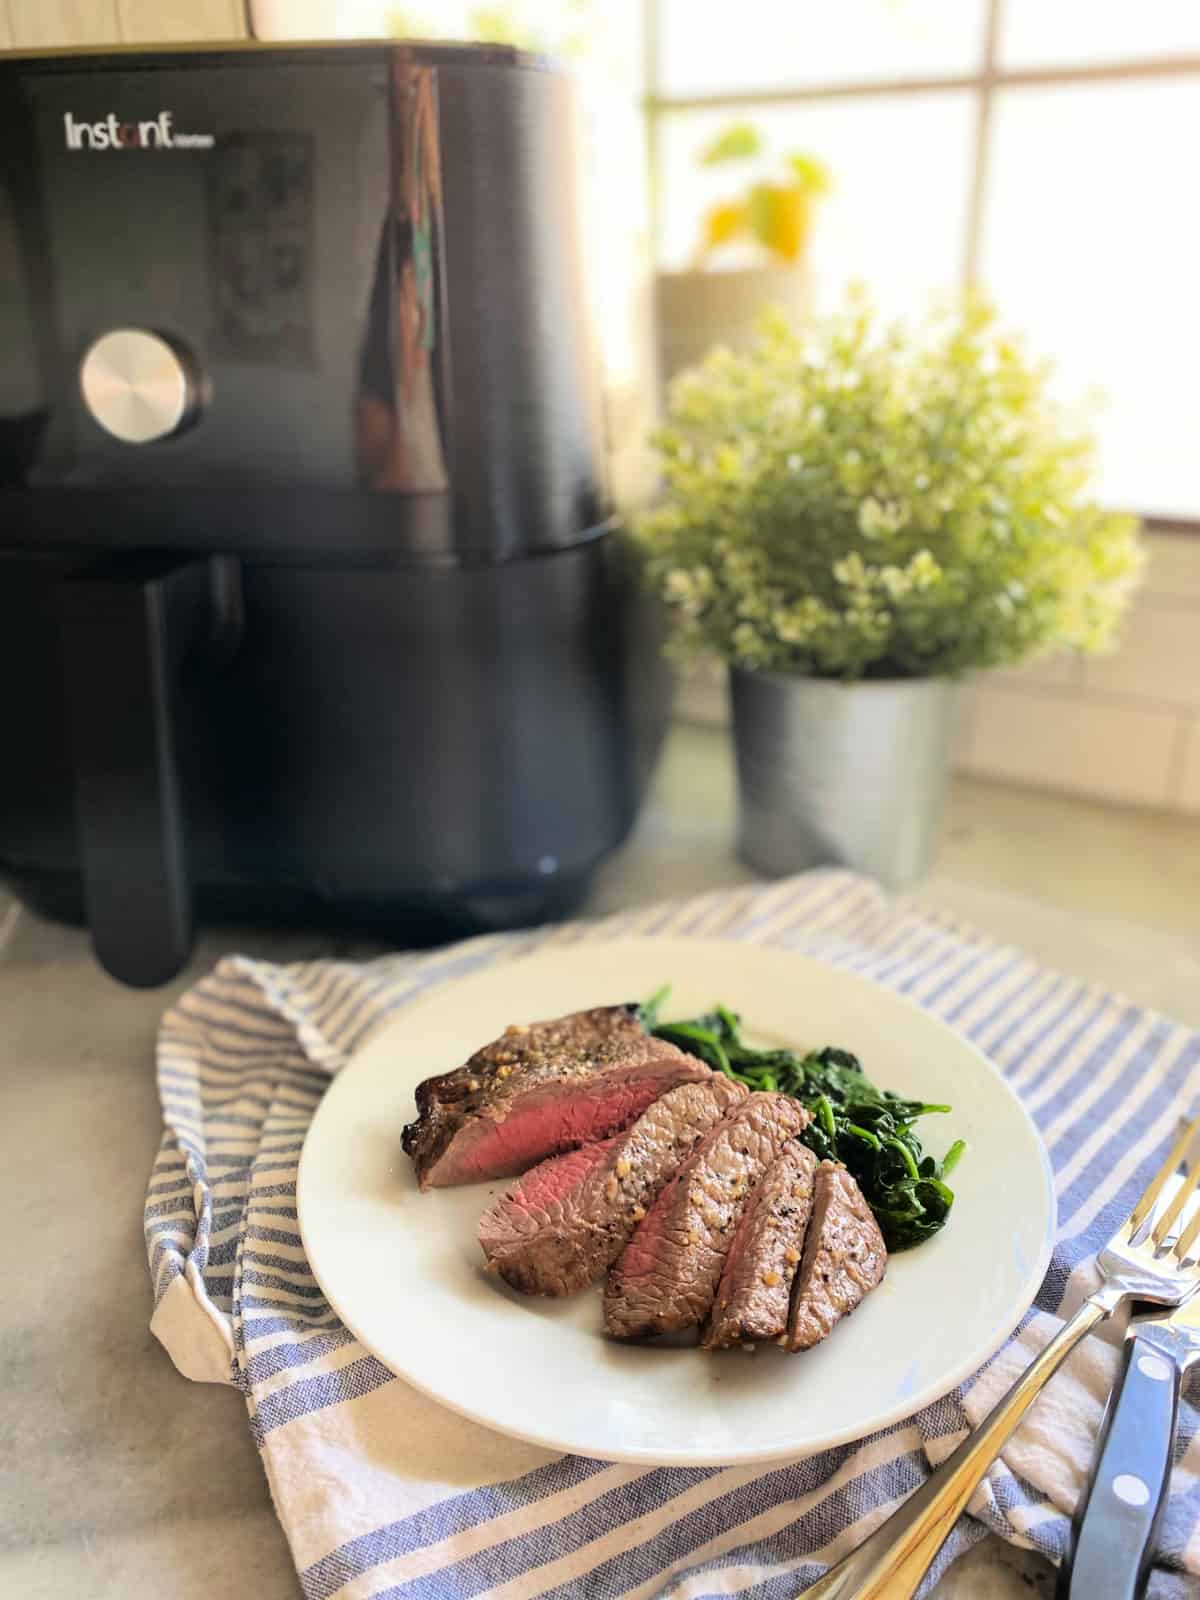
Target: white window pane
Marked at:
707, 47
1084, 32
1091, 246
319, 19
896, 216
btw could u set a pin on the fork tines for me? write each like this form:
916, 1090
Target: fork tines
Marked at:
1184, 1153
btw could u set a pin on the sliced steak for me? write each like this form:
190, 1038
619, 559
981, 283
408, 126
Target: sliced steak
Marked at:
565, 1223
844, 1258
756, 1285
668, 1273
539, 1090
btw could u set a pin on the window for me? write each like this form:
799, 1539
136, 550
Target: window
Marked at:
1041, 151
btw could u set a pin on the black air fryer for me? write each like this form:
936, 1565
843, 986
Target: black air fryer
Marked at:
310, 607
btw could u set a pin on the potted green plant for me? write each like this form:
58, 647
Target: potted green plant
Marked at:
852, 519
751, 250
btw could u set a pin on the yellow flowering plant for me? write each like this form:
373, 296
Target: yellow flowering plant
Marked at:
855, 501
775, 211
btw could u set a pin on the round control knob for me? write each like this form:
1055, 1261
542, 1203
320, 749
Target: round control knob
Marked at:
138, 385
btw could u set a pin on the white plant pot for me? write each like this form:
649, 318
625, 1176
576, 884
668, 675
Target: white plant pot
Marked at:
697, 310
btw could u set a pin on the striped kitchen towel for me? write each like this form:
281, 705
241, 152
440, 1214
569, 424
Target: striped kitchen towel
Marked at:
384, 1493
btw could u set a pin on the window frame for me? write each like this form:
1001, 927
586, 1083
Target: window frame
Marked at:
989, 78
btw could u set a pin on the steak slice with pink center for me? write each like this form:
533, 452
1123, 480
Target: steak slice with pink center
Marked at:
564, 1224
539, 1090
755, 1291
667, 1276
844, 1259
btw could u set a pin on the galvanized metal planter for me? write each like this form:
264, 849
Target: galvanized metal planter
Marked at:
846, 773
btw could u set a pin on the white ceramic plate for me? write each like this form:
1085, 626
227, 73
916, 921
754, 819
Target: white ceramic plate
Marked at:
403, 1269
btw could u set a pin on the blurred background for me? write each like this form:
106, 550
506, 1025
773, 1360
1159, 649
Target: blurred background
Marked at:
1039, 151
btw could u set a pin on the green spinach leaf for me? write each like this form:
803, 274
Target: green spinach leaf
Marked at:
868, 1129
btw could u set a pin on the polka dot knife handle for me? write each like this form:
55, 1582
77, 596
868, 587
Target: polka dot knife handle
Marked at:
1118, 1522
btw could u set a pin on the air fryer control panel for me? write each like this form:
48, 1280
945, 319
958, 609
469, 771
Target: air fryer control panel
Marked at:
205, 229
339, 286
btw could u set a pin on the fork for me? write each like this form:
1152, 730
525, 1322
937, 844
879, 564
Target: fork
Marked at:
1148, 1259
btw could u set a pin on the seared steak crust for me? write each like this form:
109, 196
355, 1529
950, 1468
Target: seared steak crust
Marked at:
844, 1258
667, 1276
568, 1219
538, 1090
756, 1284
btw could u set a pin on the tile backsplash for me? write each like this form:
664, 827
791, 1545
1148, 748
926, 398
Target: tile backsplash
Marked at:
1189, 772
48, 24
1123, 727
1113, 748
64, 24
180, 21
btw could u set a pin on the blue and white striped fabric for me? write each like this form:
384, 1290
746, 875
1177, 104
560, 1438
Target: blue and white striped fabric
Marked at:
383, 1493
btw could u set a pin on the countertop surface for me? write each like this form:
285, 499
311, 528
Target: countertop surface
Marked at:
119, 1478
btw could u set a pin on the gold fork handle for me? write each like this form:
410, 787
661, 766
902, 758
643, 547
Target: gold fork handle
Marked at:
891, 1563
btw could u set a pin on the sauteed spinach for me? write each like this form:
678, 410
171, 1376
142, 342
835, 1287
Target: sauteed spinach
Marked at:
870, 1130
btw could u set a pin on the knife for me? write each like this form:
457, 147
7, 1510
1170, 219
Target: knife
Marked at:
1117, 1521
